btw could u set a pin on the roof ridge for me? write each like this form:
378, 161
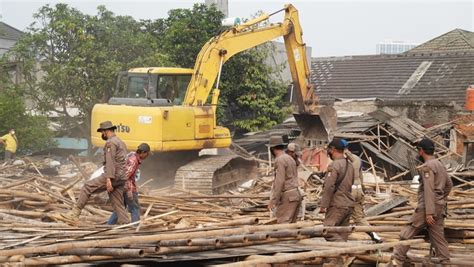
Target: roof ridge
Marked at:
469, 41
437, 41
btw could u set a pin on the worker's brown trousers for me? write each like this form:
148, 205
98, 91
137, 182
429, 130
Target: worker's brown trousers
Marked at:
98, 185
358, 215
287, 210
435, 232
337, 216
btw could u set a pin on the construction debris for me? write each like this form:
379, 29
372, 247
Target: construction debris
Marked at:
192, 227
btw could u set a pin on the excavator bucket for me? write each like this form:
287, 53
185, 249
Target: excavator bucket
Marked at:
318, 125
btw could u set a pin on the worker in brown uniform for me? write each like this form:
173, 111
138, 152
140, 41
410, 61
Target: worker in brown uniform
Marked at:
358, 214
285, 197
113, 179
431, 210
337, 201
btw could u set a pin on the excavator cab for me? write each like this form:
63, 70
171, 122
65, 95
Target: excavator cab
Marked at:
165, 84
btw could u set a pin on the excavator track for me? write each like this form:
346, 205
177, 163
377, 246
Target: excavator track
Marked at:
215, 174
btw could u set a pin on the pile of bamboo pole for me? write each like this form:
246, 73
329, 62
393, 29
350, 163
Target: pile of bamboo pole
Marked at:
175, 223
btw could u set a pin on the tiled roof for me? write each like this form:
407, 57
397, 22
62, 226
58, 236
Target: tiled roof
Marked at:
442, 77
9, 32
438, 70
455, 40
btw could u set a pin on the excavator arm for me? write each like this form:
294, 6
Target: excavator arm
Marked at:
316, 122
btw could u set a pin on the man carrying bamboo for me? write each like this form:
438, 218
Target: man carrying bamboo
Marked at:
431, 210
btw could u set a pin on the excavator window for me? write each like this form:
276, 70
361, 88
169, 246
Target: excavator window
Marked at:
173, 87
138, 86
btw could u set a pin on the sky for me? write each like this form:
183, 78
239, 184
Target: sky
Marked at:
330, 28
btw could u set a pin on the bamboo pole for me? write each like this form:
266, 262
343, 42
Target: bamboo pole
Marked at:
78, 166
23, 194
118, 252
154, 238
63, 260
242, 221
224, 196
18, 183
325, 253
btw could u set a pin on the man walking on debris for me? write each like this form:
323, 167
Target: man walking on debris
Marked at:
11, 143
295, 152
358, 215
113, 179
130, 195
285, 197
337, 201
431, 210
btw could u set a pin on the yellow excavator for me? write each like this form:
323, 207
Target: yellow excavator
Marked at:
174, 109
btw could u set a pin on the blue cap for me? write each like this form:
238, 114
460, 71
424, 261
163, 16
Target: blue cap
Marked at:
344, 143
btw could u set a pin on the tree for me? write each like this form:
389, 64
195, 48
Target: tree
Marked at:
31, 130
72, 59
254, 100
251, 99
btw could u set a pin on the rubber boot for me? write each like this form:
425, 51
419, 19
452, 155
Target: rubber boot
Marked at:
375, 237
73, 215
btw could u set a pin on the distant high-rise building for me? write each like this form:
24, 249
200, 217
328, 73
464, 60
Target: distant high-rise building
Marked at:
222, 5
394, 47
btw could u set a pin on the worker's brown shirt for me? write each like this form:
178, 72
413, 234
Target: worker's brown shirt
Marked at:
356, 164
435, 186
286, 177
115, 153
340, 196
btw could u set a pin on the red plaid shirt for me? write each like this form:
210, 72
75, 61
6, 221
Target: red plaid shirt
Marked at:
133, 162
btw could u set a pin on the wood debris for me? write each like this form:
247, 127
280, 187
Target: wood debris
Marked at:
189, 227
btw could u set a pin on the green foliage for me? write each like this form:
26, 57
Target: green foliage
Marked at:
70, 59
251, 98
187, 30
73, 59
32, 131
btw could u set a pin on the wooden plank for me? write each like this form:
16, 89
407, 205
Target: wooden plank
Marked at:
386, 206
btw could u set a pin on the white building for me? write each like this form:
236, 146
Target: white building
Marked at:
222, 5
394, 47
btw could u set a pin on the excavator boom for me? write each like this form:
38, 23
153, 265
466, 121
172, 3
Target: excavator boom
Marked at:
316, 122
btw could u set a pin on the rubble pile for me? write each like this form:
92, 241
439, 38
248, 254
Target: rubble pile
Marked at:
184, 226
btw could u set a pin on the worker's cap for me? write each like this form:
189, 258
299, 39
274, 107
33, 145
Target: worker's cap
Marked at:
293, 147
106, 125
337, 144
144, 147
345, 143
426, 144
276, 140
